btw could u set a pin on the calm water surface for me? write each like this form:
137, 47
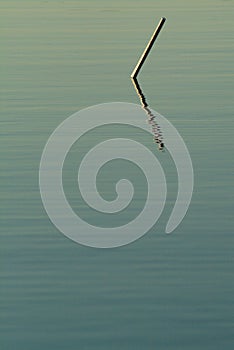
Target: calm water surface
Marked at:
161, 292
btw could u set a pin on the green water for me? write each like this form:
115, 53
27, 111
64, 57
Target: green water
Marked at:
161, 292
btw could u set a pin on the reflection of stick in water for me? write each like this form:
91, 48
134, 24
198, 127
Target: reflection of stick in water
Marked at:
158, 138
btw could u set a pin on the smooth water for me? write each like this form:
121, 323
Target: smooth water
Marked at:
162, 291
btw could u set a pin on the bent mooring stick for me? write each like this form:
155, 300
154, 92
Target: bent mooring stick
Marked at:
148, 48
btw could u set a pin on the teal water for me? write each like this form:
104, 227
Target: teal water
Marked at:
164, 292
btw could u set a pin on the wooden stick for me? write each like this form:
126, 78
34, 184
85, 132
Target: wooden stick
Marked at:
148, 48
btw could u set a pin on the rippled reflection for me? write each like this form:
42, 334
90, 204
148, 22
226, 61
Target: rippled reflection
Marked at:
158, 138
